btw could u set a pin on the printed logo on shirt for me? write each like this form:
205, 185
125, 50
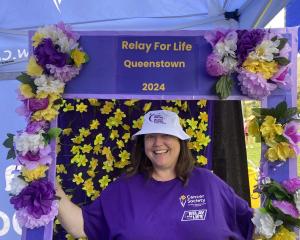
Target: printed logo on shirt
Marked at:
194, 215
192, 200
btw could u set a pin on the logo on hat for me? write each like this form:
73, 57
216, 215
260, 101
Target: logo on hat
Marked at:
156, 118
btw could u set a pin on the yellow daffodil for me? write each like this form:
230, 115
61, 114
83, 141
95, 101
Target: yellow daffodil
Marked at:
75, 149
77, 178
284, 234
93, 163
202, 138
94, 102
79, 159
280, 151
94, 124
202, 103
202, 126
77, 139
86, 148
104, 181
182, 122
114, 134
78, 57
108, 166
192, 123
126, 137
147, 106
68, 107
99, 139
60, 168
81, 107
197, 146
26, 90
91, 173
190, 132
67, 131
112, 122
95, 195
88, 186
119, 115
34, 174
130, 102
266, 69
184, 106
126, 127
124, 155
33, 69
84, 132
269, 129
203, 116
97, 149
121, 164
138, 123
107, 107
120, 144
201, 160
106, 151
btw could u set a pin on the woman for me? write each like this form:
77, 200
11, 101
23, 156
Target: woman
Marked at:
163, 196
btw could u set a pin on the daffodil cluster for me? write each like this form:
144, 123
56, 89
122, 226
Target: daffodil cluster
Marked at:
259, 57
279, 131
56, 58
95, 146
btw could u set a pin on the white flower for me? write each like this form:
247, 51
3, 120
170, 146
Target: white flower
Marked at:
265, 50
297, 199
49, 85
230, 63
227, 47
264, 223
17, 185
29, 142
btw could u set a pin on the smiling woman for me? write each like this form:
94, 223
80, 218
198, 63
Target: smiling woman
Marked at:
163, 196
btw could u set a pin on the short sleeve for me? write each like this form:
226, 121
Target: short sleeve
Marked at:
95, 225
243, 217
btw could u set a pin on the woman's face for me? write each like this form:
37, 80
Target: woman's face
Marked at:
162, 150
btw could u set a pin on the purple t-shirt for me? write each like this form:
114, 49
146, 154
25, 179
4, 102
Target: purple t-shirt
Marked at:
138, 208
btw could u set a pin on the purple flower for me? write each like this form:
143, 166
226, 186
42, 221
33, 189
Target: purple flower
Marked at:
282, 78
31, 160
291, 132
214, 36
214, 66
27, 220
68, 31
247, 41
286, 208
65, 73
291, 185
254, 85
36, 198
47, 53
36, 104
36, 126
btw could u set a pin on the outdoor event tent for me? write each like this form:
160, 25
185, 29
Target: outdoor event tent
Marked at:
17, 17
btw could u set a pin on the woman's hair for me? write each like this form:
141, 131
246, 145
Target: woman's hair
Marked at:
140, 163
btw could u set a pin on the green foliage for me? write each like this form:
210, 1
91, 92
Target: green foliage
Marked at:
26, 79
9, 143
224, 86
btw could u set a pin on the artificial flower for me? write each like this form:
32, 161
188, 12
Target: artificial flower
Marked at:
84, 132
108, 166
266, 69
280, 151
26, 142
264, 223
202, 103
34, 174
202, 160
265, 51
37, 126
124, 155
68, 107
32, 160
34, 69
77, 178
99, 139
282, 77
94, 124
64, 73
296, 196
78, 57
37, 39
94, 102
291, 132
284, 234
269, 128
286, 207
48, 85
86, 148
214, 66
81, 107
147, 107
17, 185
26, 91
104, 181
291, 185
254, 85
88, 186
192, 123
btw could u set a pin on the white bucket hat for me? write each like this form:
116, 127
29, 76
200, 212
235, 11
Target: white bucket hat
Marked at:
162, 121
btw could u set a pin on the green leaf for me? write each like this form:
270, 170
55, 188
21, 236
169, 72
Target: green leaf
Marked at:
224, 87
26, 79
54, 133
282, 61
283, 41
11, 154
86, 58
9, 141
274, 38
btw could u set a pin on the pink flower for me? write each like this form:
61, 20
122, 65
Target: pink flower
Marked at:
254, 85
32, 160
286, 208
214, 36
65, 73
292, 134
291, 185
214, 66
282, 78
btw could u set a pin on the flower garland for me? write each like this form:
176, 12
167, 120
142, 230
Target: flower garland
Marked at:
280, 213
259, 58
278, 129
56, 59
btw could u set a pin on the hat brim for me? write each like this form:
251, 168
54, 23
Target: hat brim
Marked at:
179, 134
